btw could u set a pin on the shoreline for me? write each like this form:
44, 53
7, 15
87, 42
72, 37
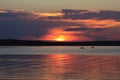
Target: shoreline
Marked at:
12, 42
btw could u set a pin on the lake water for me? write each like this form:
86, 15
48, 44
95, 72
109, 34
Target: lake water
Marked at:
60, 63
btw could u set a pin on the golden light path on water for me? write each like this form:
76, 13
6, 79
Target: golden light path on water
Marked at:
57, 66
81, 67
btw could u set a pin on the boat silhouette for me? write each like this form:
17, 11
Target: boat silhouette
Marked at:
82, 47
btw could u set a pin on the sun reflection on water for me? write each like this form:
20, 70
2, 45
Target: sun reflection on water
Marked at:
58, 64
59, 67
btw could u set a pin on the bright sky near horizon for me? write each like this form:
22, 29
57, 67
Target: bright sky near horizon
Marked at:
54, 5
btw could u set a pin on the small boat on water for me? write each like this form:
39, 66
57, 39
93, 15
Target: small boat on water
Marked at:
82, 47
92, 47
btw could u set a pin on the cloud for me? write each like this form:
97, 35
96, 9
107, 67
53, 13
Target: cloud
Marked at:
106, 34
84, 29
76, 25
13, 14
21, 24
85, 14
55, 14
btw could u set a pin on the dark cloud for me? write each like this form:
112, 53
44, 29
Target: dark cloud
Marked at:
20, 24
70, 11
26, 28
84, 29
111, 33
15, 15
85, 14
22, 28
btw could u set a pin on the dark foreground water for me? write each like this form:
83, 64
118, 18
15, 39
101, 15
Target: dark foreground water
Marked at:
58, 66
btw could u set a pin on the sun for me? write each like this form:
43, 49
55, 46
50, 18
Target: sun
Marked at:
60, 38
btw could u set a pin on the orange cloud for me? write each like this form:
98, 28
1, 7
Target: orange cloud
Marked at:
56, 14
53, 34
2, 11
100, 23
59, 33
80, 35
91, 23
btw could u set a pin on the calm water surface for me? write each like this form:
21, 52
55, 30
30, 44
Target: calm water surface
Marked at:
100, 50
59, 63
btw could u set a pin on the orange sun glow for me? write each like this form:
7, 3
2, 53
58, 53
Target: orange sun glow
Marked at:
60, 38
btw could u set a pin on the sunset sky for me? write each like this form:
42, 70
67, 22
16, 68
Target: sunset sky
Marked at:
60, 20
